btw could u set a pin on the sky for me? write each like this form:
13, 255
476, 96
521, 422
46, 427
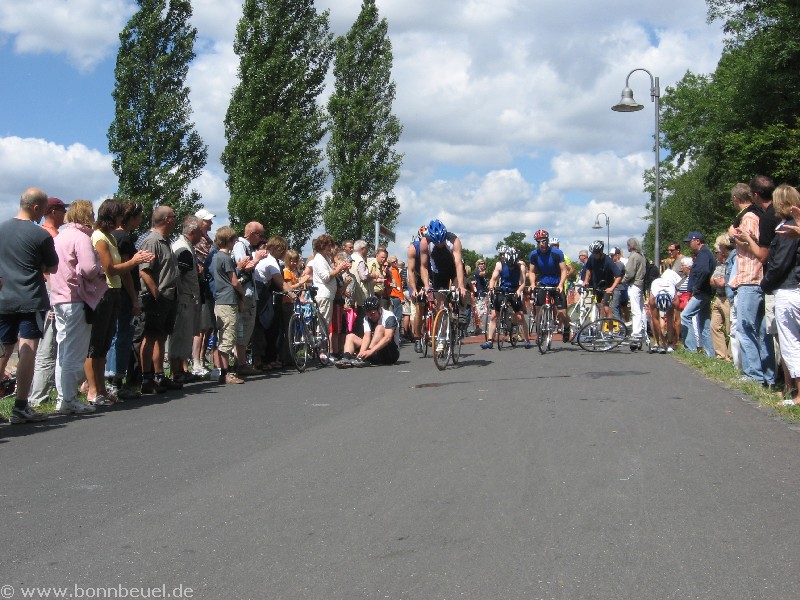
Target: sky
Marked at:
505, 106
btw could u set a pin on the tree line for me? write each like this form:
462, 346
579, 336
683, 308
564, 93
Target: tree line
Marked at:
725, 127
274, 125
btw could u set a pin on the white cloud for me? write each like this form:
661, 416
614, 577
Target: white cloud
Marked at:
69, 173
84, 30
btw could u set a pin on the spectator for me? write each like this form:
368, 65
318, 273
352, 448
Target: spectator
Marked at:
381, 342
634, 278
360, 278
187, 317
342, 305
663, 299
720, 308
45, 367
207, 319
683, 295
324, 275
23, 294
675, 256
270, 323
699, 305
620, 296
109, 216
758, 357
228, 301
394, 288
377, 272
119, 355
782, 276
77, 287
480, 287
292, 283
159, 300
246, 259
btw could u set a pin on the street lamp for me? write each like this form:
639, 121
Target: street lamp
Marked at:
608, 230
628, 104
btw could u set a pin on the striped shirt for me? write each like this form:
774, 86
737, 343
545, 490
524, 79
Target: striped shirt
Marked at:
749, 270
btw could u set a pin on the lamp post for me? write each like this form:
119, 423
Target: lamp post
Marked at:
628, 104
608, 229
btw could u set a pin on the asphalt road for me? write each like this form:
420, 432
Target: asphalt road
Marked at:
569, 476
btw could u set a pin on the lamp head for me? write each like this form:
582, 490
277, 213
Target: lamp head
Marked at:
627, 103
597, 224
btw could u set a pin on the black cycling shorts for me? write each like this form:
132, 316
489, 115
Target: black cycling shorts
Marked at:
558, 298
513, 300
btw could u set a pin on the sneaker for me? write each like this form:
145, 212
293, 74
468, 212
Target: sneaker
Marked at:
418, 346
75, 407
487, 345
343, 363
201, 372
100, 400
25, 415
247, 371
167, 383
670, 350
128, 394
528, 345
183, 378
233, 379
359, 362
151, 386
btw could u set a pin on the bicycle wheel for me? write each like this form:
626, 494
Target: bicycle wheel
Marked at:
499, 330
322, 347
457, 339
602, 335
442, 343
426, 334
544, 330
298, 347
513, 330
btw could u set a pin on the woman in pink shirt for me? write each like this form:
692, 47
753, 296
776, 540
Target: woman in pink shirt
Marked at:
75, 290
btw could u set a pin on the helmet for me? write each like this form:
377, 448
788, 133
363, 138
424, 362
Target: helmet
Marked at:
663, 301
554, 241
423, 231
502, 249
511, 254
437, 232
596, 246
372, 303
541, 234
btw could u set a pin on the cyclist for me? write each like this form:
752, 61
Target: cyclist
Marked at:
663, 292
441, 264
550, 268
600, 269
509, 274
416, 287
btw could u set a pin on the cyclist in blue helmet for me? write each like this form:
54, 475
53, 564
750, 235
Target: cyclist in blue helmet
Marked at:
441, 265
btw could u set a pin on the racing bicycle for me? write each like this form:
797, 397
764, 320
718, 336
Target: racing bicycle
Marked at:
546, 321
307, 334
448, 330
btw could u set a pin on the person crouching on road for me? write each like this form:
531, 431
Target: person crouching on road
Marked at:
381, 342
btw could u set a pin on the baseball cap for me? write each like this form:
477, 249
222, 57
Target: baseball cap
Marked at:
694, 235
204, 215
55, 203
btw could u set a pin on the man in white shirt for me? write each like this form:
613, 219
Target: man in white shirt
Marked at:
381, 342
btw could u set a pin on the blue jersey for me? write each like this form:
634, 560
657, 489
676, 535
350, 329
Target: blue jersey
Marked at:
547, 266
509, 276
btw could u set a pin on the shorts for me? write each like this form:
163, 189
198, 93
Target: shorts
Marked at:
227, 323
27, 326
513, 300
442, 281
104, 324
557, 295
388, 355
326, 309
247, 322
603, 297
187, 325
207, 315
159, 314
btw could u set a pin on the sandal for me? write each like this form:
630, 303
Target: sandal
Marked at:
100, 400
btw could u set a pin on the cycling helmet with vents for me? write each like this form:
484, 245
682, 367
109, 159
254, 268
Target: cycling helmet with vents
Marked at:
437, 232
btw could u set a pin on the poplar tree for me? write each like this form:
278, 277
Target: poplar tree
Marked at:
274, 126
364, 132
157, 152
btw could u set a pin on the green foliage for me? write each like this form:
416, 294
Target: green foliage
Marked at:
517, 240
364, 132
273, 125
742, 120
470, 257
157, 152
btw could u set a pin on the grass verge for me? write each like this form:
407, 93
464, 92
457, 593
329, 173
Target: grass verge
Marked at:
725, 373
